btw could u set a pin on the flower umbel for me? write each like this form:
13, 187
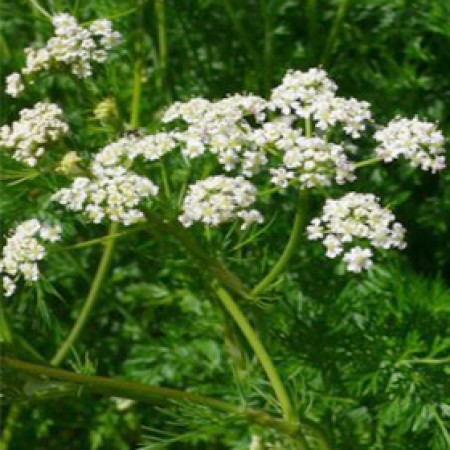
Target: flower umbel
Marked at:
23, 250
72, 46
220, 199
37, 126
419, 142
352, 220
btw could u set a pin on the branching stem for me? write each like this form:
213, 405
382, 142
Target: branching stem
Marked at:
141, 392
288, 251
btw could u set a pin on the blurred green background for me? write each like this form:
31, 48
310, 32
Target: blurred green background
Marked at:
341, 339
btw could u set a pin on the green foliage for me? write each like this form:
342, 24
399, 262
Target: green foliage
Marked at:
366, 357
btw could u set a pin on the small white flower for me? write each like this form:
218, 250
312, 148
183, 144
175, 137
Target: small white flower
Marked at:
281, 177
299, 90
51, 233
250, 217
333, 246
315, 230
358, 259
222, 128
14, 84
8, 286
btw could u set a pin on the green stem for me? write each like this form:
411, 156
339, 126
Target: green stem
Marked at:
288, 251
136, 94
182, 235
36, 6
141, 392
160, 13
331, 41
90, 301
426, 361
232, 307
165, 179
368, 162
96, 241
294, 237
252, 338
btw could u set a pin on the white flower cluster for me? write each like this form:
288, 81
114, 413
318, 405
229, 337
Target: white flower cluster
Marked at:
219, 199
221, 127
312, 94
23, 250
72, 46
113, 192
38, 125
356, 217
299, 90
313, 161
330, 111
420, 142
126, 149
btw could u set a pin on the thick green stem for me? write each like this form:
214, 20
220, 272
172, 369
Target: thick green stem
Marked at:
272, 374
90, 300
141, 392
261, 353
288, 251
218, 270
232, 307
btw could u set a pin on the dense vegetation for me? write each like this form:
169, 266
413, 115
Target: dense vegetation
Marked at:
364, 357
